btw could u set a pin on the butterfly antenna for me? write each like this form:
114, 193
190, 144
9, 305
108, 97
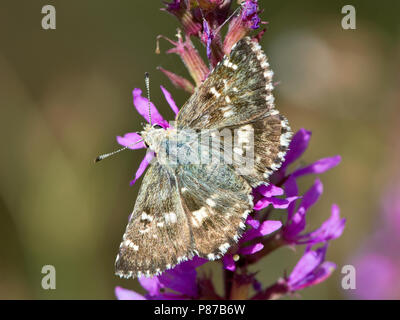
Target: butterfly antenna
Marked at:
147, 82
230, 17
104, 156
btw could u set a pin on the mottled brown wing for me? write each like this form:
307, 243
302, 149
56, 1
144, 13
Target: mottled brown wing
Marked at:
238, 96
238, 90
217, 202
157, 236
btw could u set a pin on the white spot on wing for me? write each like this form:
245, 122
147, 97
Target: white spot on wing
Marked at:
229, 113
224, 247
215, 92
170, 217
210, 202
199, 215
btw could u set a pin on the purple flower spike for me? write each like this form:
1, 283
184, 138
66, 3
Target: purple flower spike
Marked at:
239, 251
310, 270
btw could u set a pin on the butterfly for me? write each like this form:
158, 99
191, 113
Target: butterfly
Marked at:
187, 208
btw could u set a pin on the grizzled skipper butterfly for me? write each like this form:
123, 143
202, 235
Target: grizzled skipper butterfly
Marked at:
186, 207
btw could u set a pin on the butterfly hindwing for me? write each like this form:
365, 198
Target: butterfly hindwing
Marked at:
217, 202
263, 143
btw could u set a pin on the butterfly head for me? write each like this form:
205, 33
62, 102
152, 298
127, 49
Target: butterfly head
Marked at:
152, 136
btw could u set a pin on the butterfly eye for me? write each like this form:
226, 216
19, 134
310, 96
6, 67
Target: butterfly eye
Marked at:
157, 126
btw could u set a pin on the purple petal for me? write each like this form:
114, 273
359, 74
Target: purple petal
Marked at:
317, 276
192, 264
297, 146
329, 230
307, 263
318, 167
207, 37
152, 285
269, 190
251, 249
295, 225
253, 222
297, 221
262, 203
291, 190
143, 165
125, 294
277, 203
170, 100
312, 195
142, 106
130, 140
183, 278
228, 262
267, 227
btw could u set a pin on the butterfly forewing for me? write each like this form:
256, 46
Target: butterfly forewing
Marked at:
157, 236
238, 90
217, 202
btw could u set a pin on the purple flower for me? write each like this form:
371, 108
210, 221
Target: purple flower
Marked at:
329, 230
310, 270
250, 14
142, 106
258, 230
177, 283
297, 147
267, 194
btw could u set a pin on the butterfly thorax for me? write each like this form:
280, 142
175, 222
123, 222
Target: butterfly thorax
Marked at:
172, 147
153, 137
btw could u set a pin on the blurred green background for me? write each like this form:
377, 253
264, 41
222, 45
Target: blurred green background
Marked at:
66, 93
